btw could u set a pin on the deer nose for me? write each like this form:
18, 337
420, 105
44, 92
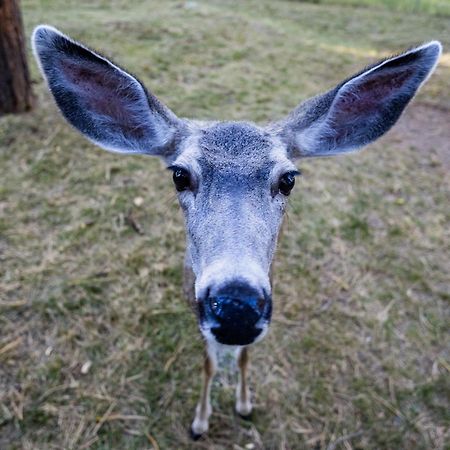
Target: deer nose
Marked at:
234, 312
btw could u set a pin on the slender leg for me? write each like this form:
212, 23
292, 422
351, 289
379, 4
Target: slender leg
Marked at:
243, 402
203, 410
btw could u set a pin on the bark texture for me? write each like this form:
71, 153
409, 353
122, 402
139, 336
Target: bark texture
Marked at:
15, 88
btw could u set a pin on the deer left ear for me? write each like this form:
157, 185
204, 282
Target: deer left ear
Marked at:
104, 102
362, 108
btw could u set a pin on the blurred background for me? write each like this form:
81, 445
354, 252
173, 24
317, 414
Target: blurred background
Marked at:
98, 348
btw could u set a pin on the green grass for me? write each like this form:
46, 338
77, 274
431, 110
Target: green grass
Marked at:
359, 341
437, 7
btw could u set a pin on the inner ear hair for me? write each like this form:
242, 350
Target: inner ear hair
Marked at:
360, 109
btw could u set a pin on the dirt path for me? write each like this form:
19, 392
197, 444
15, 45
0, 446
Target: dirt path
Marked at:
426, 128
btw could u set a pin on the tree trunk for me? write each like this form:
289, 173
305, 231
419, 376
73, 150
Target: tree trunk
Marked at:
15, 89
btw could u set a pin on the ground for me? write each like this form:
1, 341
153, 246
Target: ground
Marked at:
98, 348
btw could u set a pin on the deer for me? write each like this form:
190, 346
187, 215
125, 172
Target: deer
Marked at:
232, 178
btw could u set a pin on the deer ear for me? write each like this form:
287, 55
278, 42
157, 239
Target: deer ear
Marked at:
362, 108
108, 105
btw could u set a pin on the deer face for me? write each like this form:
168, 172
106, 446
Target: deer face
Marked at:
232, 178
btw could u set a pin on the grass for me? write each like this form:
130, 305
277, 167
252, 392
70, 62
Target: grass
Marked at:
436, 7
99, 350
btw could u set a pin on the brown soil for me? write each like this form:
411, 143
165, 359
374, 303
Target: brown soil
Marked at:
426, 128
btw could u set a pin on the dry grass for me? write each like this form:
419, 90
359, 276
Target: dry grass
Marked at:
438, 7
97, 346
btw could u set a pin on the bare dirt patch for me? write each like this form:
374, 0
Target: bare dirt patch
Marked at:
426, 128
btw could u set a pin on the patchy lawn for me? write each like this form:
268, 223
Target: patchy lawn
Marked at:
99, 350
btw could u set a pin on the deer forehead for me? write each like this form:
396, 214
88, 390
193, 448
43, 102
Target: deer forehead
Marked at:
234, 149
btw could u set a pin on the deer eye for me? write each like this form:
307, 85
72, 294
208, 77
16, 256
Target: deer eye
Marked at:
181, 178
287, 182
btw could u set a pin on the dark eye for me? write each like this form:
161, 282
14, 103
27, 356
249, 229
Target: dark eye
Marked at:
286, 183
181, 178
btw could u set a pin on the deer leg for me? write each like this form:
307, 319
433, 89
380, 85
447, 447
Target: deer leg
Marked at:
243, 403
203, 410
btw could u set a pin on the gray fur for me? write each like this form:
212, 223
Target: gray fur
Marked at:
236, 214
233, 206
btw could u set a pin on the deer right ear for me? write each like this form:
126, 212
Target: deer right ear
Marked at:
108, 105
362, 108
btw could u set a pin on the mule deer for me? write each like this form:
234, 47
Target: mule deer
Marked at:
233, 178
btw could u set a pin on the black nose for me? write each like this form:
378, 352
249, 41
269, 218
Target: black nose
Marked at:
234, 311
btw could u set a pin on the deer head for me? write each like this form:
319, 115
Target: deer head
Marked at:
233, 179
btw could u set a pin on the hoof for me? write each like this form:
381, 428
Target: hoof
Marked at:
244, 409
247, 417
193, 435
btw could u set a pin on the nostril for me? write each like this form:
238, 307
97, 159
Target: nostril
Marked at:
261, 303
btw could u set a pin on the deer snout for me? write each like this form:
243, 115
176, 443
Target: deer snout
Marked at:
236, 313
